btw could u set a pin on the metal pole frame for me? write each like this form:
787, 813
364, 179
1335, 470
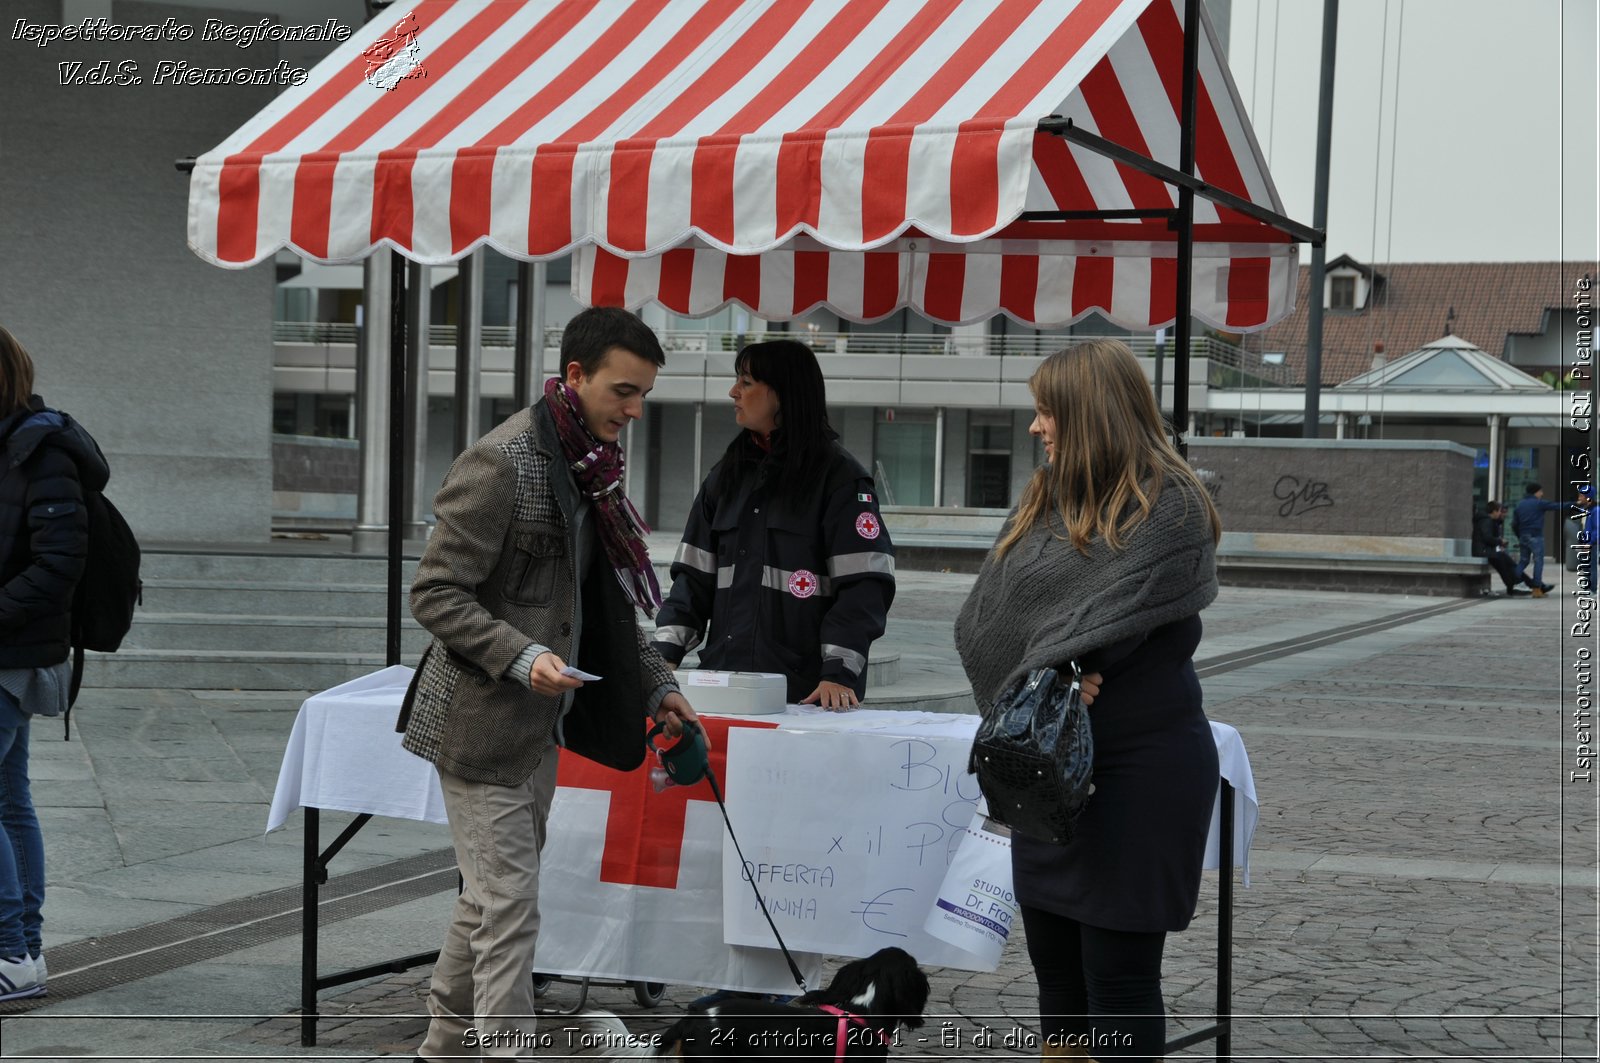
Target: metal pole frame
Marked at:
1188, 186
400, 383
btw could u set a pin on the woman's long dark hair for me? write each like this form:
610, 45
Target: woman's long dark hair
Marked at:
804, 438
16, 374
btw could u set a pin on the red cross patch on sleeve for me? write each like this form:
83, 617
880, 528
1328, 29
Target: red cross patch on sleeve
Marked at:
867, 526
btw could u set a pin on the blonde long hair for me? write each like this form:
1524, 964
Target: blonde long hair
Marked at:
1112, 456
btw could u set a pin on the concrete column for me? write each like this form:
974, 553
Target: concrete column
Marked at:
699, 442
528, 367
469, 351
1496, 457
372, 407
972, 340
1338, 425
419, 492
639, 473
938, 456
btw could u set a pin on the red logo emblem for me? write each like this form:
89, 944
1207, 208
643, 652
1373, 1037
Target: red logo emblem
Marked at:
803, 584
867, 526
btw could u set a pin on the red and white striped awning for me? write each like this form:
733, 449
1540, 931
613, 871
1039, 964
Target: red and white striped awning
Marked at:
862, 155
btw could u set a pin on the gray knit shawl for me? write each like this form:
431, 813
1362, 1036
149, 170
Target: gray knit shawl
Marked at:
1046, 603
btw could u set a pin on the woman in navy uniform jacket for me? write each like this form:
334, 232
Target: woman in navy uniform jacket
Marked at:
785, 558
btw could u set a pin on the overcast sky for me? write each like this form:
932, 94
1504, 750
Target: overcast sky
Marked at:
1480, 114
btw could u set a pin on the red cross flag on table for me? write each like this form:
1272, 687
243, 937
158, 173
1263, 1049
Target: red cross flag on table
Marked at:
644, 828
631, 880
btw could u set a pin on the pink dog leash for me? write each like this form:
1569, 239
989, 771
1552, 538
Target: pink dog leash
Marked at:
845, 1019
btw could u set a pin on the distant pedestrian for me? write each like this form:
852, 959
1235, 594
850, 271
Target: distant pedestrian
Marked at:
1488, 542
45, 466
1527, 524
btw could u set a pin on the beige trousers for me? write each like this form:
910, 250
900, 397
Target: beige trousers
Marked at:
481, 996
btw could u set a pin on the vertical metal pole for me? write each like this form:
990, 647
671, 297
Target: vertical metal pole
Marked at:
1185, 280
1225, 927
310, 847
399, 413
469, 350
1312, 428
938, 457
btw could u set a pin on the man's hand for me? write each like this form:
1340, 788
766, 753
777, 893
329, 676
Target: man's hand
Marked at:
1089, 688
673, 711
545, 676
835, 697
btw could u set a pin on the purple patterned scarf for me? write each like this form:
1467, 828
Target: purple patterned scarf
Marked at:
598, 469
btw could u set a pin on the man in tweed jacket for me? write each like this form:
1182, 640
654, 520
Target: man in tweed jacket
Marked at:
514, 584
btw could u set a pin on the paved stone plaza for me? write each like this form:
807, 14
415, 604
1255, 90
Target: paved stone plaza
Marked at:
1422, 880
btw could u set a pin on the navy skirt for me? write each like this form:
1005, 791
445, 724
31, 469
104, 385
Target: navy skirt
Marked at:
1134, 863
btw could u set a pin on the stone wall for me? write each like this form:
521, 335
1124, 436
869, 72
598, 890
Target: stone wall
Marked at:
166, 359
1347, 497
314, 481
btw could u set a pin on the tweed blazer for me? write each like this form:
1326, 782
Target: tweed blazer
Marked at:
499, 574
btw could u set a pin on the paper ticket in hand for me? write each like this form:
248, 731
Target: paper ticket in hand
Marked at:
579, 673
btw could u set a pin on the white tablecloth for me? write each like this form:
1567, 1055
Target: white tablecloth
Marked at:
344, 754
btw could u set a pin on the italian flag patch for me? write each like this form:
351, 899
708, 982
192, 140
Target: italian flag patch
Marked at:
863, 497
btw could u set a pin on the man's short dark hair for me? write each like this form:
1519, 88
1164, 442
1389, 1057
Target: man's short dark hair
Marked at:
588, 337
1533, 489
1492, 507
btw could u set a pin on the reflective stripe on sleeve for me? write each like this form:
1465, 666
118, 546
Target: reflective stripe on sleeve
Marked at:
678, 635
777, 579
863, 564
696, 558
853, 661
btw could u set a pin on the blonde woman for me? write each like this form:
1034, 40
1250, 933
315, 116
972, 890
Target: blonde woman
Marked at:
1107, 560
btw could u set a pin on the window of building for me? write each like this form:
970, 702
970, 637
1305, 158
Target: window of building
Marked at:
903, 442
989, 465
302, 414
1341, 293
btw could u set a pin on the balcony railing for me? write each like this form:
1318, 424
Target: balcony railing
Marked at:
1229, 366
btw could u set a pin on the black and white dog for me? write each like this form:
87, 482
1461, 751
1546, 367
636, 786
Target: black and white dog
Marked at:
858, 1015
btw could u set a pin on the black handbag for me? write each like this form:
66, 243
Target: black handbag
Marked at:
1034, 756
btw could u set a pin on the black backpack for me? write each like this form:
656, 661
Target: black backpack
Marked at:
102, 605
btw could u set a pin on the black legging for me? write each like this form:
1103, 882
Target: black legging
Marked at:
1099, 989
1510, 575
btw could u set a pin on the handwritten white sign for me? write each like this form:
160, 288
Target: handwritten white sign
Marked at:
847, 837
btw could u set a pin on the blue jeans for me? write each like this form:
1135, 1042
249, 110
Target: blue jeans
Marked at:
1532, 550
22, 849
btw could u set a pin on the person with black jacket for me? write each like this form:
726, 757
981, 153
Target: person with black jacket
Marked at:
46, 463
785, 564
1488, 542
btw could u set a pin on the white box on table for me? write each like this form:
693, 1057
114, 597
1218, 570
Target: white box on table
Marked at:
734, 693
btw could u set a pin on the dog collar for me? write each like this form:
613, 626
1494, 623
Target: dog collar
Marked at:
840, 1041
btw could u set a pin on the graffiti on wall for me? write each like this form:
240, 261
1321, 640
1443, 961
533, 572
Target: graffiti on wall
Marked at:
1300, 496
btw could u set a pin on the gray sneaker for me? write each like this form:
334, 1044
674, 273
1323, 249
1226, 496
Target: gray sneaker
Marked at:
19, 978
42, 973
